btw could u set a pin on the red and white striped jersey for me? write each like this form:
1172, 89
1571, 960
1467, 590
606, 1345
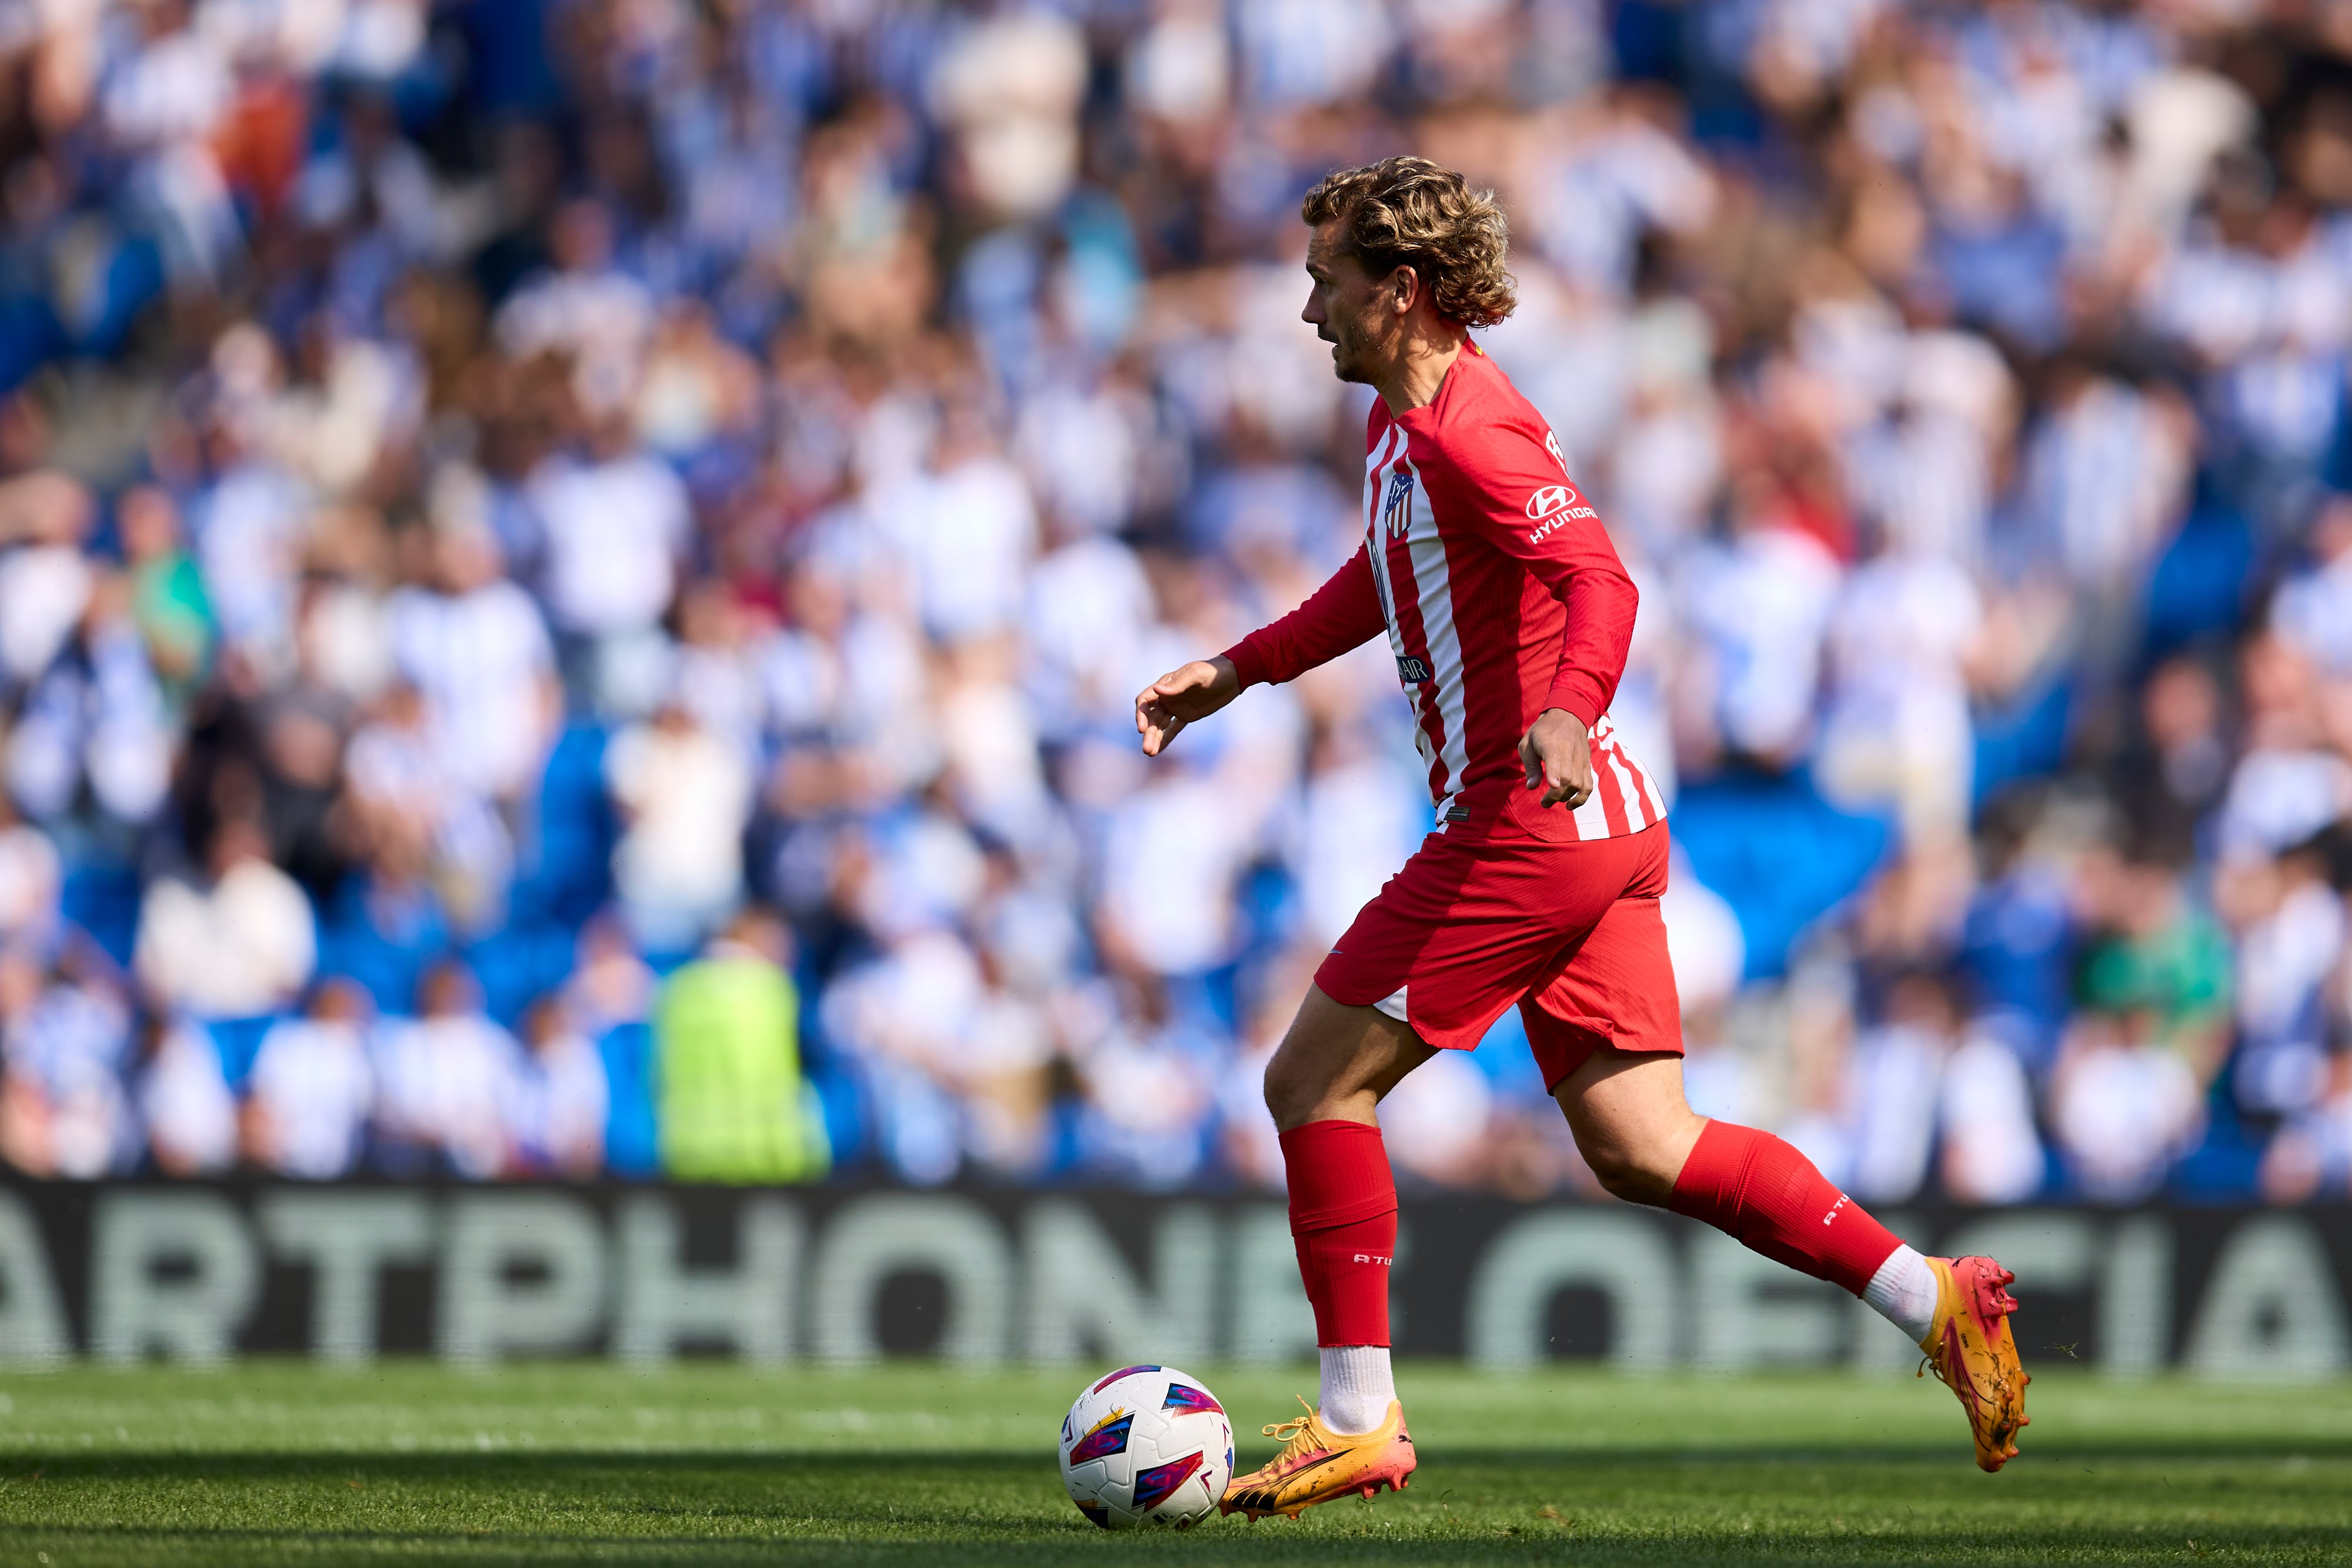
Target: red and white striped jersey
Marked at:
1502, 596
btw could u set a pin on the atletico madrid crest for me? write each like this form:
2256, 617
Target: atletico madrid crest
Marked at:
1396, 511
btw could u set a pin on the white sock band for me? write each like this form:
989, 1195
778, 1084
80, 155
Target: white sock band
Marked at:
1902, 1291
1357, 1386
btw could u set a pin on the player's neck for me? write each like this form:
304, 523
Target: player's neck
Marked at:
1423, 357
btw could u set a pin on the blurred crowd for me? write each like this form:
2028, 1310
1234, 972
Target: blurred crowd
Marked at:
573, 571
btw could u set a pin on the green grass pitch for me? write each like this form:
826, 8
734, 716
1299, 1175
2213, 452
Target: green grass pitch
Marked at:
282, 1462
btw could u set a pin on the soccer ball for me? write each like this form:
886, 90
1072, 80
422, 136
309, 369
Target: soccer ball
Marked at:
1146, 1444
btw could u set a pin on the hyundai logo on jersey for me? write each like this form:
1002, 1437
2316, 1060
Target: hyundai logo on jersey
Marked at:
1551, 500
1397, 510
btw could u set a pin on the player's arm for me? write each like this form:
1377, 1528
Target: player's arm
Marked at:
1517, 492
1343, 613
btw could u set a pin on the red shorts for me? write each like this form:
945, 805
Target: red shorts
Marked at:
1570, 932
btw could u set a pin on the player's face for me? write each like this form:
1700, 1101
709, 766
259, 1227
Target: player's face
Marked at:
1347, 306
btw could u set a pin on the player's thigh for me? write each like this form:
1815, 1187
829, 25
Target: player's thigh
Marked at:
1337, 1060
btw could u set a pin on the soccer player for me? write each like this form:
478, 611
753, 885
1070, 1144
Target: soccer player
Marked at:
1509, 614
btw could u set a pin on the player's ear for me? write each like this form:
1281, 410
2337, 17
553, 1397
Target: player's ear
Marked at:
1404, 286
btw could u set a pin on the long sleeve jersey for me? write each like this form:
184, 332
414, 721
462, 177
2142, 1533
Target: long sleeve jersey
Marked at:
1502, 596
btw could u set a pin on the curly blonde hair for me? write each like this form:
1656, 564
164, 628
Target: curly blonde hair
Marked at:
1409, 211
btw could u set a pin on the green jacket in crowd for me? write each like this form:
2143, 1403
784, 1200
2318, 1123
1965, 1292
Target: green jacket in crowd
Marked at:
733, 1105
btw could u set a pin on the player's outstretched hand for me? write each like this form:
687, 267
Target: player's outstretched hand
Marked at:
1558, 755
1165, 707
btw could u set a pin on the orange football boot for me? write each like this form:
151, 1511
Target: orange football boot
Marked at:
1318, 1464
1973, 1353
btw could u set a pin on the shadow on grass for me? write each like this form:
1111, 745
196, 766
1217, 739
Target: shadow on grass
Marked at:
1847, 1506
510, 1467
123, 1547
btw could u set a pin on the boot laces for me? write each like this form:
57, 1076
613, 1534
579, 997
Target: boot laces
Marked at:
1296, 1433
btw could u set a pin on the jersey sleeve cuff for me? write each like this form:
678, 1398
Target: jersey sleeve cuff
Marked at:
1579, 697
1249, 664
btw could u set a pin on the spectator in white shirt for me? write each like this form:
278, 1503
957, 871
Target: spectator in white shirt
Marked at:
238, 946
185, 1102
1898, 732
1167, 905
64, 1036
561, 1098
615, 527
32, 881
1893, 1080
162, 104
308, 1099
1761, 609
473, 642
1992, 1151
587, 310
1359, 818
2123, 1107
2312, 1155
45, 580
2313, 610
447, 1080
404, 795
966, 532
684, 795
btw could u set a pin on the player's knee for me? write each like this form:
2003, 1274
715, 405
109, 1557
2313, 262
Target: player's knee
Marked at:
1624, 1172
1288, 1094
1298, 1084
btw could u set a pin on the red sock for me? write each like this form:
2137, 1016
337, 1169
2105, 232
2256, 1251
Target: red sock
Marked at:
1771, 1197
1343, 1219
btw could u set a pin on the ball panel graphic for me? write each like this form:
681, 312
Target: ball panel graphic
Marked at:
1108, 1438
1122, 1372
1158, 1484
1184, 1396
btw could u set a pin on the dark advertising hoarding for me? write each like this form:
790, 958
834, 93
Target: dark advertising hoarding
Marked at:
194, 1272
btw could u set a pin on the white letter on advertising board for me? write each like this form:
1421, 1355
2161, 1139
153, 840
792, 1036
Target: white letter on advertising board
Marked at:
346, 1238
2272, 1308
485, 1311
192, 1315
1272, 1321
2135, 1298
663, 1301
1084, 1295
